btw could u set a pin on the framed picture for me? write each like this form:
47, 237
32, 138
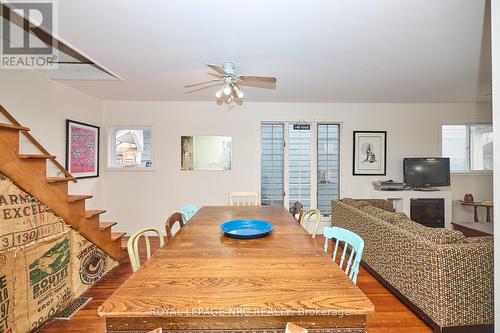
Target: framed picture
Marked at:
369, 153
82, 149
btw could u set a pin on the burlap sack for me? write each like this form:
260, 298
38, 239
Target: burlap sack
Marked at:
43, 282
7, 292
23, 219
89, 263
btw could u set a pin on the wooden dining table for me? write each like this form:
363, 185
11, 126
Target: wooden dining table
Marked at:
204, 281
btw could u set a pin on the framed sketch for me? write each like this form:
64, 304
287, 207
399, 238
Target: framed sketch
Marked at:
82, 149
369, 153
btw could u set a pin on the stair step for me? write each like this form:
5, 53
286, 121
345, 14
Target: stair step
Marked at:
59, 179
117, 235
92, 213
73, 198
41, 156
106, 225
14, 127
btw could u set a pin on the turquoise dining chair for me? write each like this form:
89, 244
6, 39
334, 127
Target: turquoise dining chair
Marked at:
187, 212
350, 239
133, 248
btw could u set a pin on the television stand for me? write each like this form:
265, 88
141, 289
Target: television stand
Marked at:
427, 189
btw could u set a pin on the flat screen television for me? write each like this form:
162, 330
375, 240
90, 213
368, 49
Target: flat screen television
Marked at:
425, 172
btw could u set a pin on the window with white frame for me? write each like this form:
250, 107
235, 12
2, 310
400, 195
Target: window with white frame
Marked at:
328, 166
130, 147
300, 163
469, 146
271, 164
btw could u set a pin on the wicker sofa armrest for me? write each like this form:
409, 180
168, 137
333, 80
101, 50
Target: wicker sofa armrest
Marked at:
481, 239
466, 283
379, 203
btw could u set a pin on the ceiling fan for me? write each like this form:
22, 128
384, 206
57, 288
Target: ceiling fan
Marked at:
226, 74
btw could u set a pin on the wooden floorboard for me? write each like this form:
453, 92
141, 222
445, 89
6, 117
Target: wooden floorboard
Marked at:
391, 315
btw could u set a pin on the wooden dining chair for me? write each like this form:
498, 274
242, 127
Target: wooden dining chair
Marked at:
292, 328
350, 239
133, 246
244, 199
188, 212
171, 221
158, 330
311, 217
297, 211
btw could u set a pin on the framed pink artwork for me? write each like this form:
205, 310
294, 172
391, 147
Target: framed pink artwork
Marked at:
82, 149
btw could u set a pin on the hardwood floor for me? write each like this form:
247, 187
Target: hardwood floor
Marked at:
390, 315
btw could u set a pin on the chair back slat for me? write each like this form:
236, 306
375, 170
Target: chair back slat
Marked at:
351, 241
336, 248
133, 246
188, 212
244, 199
171, 221
344, 250
311, 217
348, 268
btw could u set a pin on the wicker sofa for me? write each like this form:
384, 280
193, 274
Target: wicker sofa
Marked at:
445, 278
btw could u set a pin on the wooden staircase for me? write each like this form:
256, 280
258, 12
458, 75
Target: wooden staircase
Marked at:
28, 171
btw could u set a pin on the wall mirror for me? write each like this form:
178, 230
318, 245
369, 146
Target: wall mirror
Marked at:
205, 153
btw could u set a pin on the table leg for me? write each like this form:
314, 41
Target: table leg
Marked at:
475, 214
488, 216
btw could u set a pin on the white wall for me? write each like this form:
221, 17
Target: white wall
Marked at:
495, 73
142, 198
43, 106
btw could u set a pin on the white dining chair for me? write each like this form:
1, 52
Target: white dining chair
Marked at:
311, 218
133, 246
292, 328
244, 198
158, 330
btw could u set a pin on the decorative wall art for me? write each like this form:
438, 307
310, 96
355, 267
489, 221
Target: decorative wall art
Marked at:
369, 153
82, 149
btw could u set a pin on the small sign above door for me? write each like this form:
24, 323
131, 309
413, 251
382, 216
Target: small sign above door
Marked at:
301, 127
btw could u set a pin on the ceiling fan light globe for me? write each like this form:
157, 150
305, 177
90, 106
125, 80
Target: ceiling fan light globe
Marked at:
227, 90
240, 94
218, 93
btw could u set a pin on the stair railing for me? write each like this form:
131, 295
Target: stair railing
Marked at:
36, 143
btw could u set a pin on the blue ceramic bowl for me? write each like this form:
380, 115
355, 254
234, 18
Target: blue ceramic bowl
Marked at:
246, 229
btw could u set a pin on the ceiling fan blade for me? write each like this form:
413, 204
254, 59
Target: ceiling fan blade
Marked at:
201, 88
267, 79
218, 69
200, 83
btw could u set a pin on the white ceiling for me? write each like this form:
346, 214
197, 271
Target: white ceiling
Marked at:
320, 51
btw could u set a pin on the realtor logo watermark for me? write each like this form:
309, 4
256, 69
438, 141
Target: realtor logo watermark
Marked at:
27, 35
